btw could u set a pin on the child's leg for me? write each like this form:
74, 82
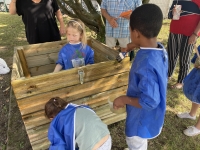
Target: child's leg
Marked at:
193, 130
194, 109
192, 114
107, 145
136, 143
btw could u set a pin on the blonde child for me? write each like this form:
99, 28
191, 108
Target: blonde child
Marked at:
75, 127
76, 47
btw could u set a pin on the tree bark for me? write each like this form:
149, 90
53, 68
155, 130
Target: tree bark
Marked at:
86, 12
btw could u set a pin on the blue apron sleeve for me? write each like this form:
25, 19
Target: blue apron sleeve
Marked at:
150, 95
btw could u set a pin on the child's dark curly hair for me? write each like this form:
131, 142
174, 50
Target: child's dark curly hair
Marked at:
147, 19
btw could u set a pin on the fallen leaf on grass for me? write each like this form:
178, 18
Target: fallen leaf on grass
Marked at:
6, 89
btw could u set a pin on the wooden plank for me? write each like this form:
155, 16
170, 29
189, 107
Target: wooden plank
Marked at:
39, 70
42, 48
42, 51
41, 144
37, 118
41, 60
116, 118
100, 57
74, 93
52, 81
37, 67
45, 48
34, 120
38, 132
17, 71
39, 140
23, 63
110, 53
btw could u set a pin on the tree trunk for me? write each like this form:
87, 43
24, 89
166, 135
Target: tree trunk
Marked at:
85, 10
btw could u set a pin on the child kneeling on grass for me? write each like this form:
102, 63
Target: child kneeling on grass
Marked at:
191, 89
146, 94
75, 127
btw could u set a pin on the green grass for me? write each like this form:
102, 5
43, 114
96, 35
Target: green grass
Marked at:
172, 138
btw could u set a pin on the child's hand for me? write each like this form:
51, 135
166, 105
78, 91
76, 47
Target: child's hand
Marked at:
118, 103
130, 47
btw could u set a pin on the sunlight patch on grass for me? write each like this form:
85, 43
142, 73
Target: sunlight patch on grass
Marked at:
2, 25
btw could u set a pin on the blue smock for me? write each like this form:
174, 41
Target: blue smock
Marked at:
61, 131
191, 86
147, 82
73, 51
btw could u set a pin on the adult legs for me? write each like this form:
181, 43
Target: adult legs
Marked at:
173, 51
184, 58
110, 42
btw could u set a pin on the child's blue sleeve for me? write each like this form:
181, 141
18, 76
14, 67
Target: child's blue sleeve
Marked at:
89, 56
195, 55
60, 58
149, 87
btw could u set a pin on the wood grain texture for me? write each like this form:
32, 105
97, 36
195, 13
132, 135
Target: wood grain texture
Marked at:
17, 71
52, 81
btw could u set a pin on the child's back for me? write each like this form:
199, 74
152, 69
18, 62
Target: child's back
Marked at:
146, 94
75, 126
148, 82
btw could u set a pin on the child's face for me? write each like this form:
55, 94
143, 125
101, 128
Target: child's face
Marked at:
73, 35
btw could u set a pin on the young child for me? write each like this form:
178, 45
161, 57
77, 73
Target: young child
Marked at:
76, 48
191, 89
146, 94
75, 127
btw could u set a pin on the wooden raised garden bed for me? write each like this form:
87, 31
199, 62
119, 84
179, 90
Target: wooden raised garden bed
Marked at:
34, 84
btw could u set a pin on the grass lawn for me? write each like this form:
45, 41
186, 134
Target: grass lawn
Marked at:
171, 138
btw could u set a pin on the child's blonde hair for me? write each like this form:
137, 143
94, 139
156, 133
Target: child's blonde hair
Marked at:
79, 25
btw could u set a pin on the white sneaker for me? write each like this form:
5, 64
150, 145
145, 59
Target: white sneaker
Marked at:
126, 149
191, 131
186, 115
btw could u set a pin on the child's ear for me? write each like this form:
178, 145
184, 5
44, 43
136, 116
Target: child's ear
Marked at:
135, 34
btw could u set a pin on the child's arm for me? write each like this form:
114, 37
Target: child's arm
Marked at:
89, 58
57, 68
123, 100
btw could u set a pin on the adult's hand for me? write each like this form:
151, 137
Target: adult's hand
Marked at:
62, 29
192, 39
112, 21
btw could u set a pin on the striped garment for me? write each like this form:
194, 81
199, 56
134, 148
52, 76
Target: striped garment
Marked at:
180, 32
114, 9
